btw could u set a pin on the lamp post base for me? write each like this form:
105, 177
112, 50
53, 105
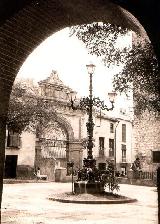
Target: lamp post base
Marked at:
84, 187
89, 162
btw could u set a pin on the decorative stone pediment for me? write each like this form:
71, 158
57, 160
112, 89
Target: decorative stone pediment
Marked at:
54, 88
54, 79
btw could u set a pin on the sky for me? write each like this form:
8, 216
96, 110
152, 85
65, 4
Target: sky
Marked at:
68, 56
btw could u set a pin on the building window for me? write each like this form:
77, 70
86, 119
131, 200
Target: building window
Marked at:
13, 139
111, 128
123, 132
101, 146
123, 147
111, 147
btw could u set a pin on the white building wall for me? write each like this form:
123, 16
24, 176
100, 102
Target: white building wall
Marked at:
27, 151
102, 129
128, 142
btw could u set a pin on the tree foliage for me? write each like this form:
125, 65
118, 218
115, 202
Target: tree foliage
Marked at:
22, 106
140, 72
100, 40
26, 108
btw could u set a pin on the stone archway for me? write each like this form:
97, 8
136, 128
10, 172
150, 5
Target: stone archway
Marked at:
56, 145
52, 145
25, 24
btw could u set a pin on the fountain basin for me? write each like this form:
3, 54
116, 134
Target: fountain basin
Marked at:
103, 198
85, 187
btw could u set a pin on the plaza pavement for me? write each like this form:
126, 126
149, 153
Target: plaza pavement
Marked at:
27, 203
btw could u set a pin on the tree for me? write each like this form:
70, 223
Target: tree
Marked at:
26, 108
140, 72
22, 107
100, 40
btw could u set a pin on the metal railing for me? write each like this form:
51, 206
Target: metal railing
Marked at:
148, 175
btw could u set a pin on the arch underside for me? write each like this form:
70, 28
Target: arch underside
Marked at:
65, 125
60, 122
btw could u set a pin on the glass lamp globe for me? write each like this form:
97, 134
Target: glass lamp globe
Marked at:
112, 96
90, 68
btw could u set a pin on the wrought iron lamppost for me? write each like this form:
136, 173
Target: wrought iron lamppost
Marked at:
88, 103
90, 162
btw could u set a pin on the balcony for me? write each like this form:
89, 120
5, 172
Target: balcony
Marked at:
13, 142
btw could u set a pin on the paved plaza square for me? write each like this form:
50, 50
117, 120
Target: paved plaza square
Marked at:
27, 203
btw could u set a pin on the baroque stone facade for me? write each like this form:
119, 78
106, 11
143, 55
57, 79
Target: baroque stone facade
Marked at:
64, 137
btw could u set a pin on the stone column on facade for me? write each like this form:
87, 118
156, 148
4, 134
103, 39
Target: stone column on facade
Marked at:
37, 153
67, 151
46, 164
76, 153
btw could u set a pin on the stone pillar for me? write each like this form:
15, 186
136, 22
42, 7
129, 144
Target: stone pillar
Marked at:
2, 153
76, 153
5, 88
60, 174
46, 164
37, 153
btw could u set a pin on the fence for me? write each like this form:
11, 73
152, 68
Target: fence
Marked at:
148, 175
141, 178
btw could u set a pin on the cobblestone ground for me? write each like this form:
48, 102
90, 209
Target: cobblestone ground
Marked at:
27, 203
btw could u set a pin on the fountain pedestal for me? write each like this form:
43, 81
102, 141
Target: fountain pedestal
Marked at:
82, 187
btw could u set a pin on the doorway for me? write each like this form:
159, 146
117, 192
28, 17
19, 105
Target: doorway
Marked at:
10, 166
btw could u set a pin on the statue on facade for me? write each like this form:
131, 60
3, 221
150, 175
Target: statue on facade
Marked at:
136, 167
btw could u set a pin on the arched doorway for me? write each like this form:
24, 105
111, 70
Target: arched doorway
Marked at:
52, 149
